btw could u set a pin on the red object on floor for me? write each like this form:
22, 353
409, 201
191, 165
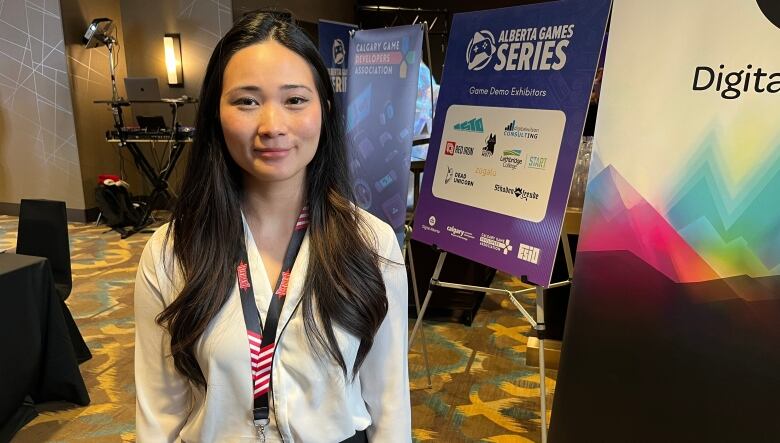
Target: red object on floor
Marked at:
103, 177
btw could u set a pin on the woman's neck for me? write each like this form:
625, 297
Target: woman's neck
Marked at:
268, 204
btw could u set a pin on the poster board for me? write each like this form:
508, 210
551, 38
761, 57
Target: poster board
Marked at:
510, 114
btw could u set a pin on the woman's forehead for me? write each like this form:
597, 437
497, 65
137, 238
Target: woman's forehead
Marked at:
268, 64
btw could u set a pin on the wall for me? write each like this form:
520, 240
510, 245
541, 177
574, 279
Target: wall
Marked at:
48, 81
38, 153
304, 10
90, 80
201, 24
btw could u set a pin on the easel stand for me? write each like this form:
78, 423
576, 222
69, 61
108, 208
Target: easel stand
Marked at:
410, 258
537, 323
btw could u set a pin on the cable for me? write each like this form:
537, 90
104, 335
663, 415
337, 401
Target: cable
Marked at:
174, 132
122, 174
118, 47
118, 50
157, 158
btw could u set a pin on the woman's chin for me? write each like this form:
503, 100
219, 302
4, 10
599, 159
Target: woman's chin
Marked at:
275, 175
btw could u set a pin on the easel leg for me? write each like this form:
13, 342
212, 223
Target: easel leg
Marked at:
567, 254
434, 277
408, 251
540, 330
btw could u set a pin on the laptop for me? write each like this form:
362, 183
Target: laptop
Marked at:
154, 123
142, 89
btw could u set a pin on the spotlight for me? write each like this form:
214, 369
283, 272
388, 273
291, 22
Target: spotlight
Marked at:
98, 33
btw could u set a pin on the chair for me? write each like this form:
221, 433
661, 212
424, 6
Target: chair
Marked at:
43, 232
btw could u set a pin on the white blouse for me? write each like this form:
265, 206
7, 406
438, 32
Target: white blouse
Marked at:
311, 400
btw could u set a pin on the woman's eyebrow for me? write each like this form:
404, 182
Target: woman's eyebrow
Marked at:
247, 88
254, 88
294, 86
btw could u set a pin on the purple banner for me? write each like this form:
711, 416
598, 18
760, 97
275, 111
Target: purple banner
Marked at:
334, 43
383, 71
509, 119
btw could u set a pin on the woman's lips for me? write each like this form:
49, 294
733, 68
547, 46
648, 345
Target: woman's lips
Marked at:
272, 153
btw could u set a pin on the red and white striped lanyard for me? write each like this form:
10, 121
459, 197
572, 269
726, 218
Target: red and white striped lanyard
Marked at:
262, 340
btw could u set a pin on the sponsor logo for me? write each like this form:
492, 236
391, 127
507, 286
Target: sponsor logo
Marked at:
338, 70
338, 51
485, 172
528, 253
449, 148
243, 280
503, 245
515, 130
537, 162
282, 291
430, 226
512, 158
452, 148
460, 233
520, 49
473, 125
460, 178
480, 50
517, 192
487, 151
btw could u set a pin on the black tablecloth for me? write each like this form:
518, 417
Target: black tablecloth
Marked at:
38, 359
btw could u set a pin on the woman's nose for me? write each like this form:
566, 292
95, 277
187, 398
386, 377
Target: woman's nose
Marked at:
272, 121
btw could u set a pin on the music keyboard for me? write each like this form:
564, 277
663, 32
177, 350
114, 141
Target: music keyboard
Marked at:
133, 134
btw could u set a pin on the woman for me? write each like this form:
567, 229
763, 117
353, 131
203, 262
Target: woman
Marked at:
221, 354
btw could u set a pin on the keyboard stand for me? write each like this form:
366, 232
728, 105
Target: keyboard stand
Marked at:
158, 179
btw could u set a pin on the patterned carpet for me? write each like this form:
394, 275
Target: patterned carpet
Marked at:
482, 391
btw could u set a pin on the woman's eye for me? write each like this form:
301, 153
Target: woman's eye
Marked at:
245, 101
296, 101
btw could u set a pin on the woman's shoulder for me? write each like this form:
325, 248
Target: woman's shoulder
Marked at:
157, 257
159, 243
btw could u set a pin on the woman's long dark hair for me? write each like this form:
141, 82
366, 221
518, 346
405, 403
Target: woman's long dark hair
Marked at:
343, 284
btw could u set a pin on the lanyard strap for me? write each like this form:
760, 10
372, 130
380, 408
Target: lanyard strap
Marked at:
262, 339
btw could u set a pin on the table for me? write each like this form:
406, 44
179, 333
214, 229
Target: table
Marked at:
38, 359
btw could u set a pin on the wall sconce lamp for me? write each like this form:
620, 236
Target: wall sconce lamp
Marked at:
172, 43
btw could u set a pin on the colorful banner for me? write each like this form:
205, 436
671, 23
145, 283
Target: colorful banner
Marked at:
334, 43
383, 71
510, 114
674, 326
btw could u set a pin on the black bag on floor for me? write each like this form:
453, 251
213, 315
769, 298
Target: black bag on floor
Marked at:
116, 206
